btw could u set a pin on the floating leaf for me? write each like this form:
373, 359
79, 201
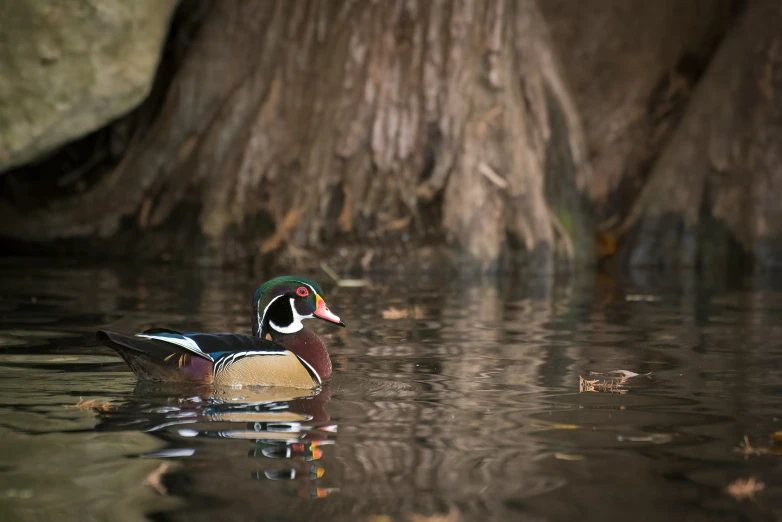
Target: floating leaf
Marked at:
345, 283
745, 488
352, 283
747, 449
654, 438
91, 404
555, 426
642, 298
613, 383
403, 313
604, 386
154, 479
623, 373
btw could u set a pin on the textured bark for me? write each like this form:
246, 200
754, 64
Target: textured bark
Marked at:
632, 66
310, 124
714, 194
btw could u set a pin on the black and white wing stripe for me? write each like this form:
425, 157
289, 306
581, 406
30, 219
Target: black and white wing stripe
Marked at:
216, 346
178, 339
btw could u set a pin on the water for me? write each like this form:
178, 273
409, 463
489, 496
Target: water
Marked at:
452, 401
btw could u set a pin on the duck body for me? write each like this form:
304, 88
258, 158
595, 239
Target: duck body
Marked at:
281, 352
219, 358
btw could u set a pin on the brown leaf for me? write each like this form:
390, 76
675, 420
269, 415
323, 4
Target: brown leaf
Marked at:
747, 449
154, 479
642, 298
745, 488
605, 386
605, 244
555, 426
398, 224
347, 283
91, 404
394, 314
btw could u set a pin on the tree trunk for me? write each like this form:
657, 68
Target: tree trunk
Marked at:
632, 66
313, 126
713, 196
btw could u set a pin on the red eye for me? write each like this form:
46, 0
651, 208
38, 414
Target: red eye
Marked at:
302, 291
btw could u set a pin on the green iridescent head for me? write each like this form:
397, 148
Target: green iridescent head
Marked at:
280, 304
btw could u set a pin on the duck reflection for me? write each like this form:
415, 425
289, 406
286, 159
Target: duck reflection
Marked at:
288, 430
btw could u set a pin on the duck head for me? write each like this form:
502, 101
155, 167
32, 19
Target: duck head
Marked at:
281, 304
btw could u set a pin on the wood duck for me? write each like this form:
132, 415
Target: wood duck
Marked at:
280, 351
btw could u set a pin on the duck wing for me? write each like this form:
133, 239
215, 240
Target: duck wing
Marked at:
161, 356
223, 358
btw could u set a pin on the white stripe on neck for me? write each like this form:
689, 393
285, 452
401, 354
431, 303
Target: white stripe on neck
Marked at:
295, 326
261, 317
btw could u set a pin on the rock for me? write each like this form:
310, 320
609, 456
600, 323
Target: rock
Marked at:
68, 68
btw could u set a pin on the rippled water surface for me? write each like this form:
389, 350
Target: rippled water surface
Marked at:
453, 400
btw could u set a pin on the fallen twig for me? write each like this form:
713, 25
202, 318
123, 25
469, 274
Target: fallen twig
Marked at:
747, 449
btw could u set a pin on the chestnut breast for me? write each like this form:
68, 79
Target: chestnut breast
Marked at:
307, 345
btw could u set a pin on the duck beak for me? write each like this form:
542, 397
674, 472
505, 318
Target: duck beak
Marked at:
322, 311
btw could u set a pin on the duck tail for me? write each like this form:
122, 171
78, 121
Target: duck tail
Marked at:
154, 360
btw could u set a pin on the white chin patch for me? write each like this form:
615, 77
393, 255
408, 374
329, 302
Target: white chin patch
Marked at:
295, 326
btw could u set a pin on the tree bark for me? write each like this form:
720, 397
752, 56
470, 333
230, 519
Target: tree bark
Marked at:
311, 125
713, 196
632, 66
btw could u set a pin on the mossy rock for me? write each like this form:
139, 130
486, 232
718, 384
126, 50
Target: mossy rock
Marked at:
68, 68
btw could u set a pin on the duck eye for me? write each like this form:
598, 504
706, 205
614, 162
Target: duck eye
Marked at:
302, 291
